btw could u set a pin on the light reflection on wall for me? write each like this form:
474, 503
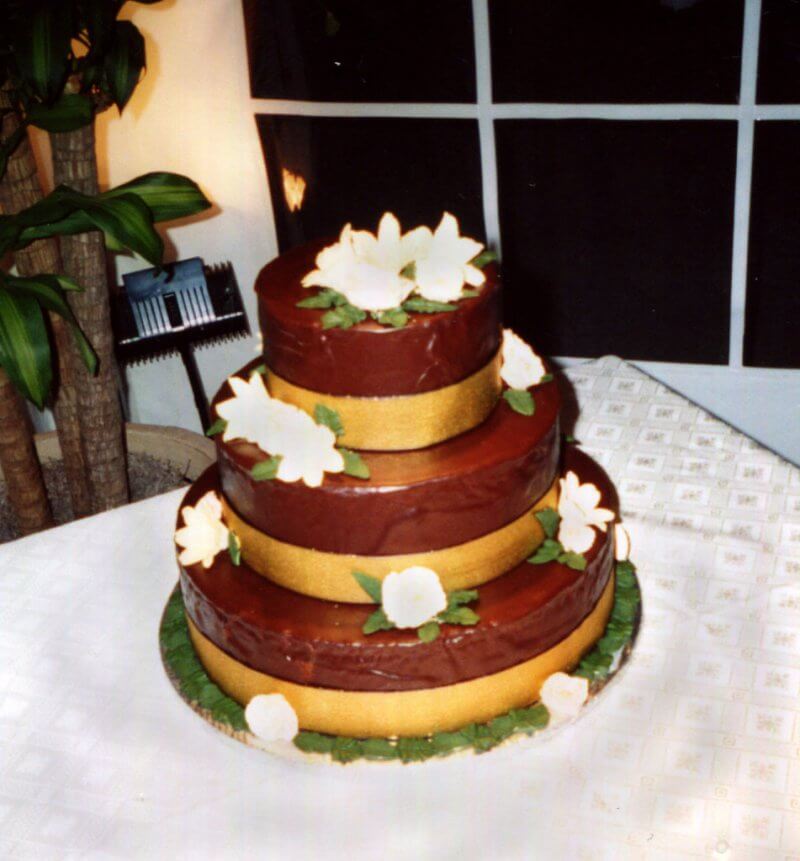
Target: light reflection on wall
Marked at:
294, 190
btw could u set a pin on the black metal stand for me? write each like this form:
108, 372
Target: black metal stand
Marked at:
193, 372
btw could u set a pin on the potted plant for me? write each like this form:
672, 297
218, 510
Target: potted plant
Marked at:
61, 62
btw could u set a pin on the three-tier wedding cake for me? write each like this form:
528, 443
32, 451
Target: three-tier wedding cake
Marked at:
396, 555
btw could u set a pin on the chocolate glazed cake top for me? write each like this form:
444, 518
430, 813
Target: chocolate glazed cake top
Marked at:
369, 360
414, 500
522, 614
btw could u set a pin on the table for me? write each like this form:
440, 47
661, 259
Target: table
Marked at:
693, 752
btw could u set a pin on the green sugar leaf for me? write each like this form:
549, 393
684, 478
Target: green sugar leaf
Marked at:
531, 718
483, 259
235, 548
377, 621
415, 749
547, 378
502, 727
549, 518
624, 610
461, 596
326, 298
329, 417
354, 464
521, 401
346, 749
429, 631
611, 642
409, 271
469, 294
343, 317
445, 742
314, 742
260, 369
210, 695
371, 585
395, 317
266, 470
625, 575
378, 748
218, 427
547, 551
570, 440
459, 616
576, 561
426, 306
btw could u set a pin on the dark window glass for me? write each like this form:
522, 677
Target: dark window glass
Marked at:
354, 169
624, 51
361, 51
617, 236
773, 283
779, 52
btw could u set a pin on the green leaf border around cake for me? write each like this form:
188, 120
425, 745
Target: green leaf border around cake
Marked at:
551, 549
455, 613
597, 665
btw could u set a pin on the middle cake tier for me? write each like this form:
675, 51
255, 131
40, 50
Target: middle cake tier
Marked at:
463, 507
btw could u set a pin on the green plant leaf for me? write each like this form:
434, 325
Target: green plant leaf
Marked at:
266, 470
547, 551
10, 144
354, 464
217, 427
167, 195
458, 597
234, 548
327, 416
69, 112
25, 346
371, 585
48, 291
429, 631
521, 401
426, 306
576, 561
377, 621
343, 317
124, 61
459, 616
395, 317
549, 518
43, 47
483, 259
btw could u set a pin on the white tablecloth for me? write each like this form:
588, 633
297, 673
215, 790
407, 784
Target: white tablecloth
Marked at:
693, 752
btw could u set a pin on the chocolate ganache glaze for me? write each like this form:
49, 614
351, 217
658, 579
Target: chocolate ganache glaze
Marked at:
414, 501
369, 360
271, 629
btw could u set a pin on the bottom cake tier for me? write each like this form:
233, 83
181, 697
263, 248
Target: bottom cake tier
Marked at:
255, 637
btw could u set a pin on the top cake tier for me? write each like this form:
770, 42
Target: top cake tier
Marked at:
431, 351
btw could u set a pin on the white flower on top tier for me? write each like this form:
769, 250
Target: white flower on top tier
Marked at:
203, 534
271, 718
521, 368
563, 696
307, 450
442, 260
412, 597
622, 543
365, 268
578, 507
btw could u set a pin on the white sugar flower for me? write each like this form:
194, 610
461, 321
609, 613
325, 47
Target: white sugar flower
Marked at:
271, 718
578, 507
365, 268
522, 368
442, 260
412, 597
622, 543
563, 696
307, 450
203, 534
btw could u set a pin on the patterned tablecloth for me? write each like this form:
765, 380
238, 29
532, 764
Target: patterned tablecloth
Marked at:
694, 751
